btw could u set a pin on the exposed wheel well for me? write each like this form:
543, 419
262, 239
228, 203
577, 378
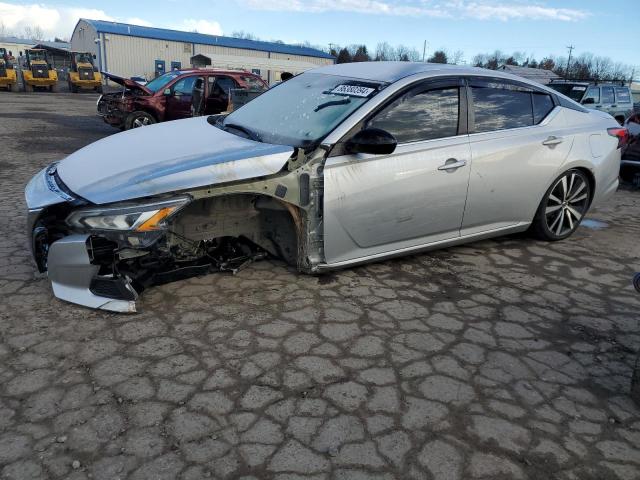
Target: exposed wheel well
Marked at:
263, 220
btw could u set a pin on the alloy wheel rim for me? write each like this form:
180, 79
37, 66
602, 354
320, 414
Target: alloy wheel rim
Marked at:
567, 204
140, 122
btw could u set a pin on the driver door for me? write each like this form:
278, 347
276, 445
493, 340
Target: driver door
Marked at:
378, 204
179, 101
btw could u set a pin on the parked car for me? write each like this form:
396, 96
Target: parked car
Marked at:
613, 98
630, 165
339, 166
169, 96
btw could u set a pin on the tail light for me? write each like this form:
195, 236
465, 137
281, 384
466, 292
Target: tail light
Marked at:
621, 133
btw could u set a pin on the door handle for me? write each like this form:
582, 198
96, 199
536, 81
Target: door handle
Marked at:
452, 164
551, 141
613, 106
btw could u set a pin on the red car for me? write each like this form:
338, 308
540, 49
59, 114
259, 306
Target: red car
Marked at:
174, 95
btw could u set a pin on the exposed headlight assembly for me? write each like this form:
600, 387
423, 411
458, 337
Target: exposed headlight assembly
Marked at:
134, 218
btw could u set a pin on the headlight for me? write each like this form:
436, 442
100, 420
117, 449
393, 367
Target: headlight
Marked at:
138, 218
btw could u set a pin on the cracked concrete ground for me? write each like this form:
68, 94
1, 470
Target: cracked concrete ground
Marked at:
503, 359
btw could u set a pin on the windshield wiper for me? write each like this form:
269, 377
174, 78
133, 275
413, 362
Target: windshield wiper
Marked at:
344, 101
218, 122
252, 135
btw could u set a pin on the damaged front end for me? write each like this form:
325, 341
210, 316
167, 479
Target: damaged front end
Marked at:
105, 256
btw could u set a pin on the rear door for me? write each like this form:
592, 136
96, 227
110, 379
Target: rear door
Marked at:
377, 204
179, 101
518, 141
218, 91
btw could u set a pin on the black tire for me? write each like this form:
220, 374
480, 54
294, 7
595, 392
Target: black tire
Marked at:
99, 89
139, 119
635, 383
636, 282
563, 206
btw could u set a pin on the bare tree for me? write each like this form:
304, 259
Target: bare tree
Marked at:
33, 32
457, 58
244, 35
384, 52
406, 54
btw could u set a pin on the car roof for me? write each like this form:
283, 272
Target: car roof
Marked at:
394, 71
212, 70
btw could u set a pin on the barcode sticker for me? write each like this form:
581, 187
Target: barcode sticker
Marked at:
353, 90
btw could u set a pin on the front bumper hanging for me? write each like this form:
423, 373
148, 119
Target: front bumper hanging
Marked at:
75, 279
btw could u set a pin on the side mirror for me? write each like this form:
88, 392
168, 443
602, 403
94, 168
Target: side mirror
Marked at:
588, 101
372, 140
167, 91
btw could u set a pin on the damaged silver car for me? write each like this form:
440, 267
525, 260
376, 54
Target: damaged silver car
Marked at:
338, 166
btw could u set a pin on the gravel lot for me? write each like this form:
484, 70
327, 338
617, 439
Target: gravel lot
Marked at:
507, 358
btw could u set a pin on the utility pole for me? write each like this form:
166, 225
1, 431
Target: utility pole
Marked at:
566, 72
424, 50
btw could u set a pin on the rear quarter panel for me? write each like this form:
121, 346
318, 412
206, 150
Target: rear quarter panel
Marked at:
594, 150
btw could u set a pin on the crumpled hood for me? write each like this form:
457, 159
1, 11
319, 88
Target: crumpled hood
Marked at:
127, 82
166, 157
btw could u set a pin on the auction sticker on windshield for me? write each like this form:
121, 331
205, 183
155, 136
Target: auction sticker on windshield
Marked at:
353, 90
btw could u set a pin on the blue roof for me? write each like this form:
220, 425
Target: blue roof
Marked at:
116, 28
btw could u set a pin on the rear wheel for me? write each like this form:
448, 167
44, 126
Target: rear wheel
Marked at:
139, 119
562, 207
54, 88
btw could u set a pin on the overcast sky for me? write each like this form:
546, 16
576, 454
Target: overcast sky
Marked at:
473, 26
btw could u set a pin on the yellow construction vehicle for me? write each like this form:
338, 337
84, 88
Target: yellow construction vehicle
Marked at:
7, 71
83, 74
37, 71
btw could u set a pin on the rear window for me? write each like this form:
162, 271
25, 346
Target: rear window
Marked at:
623, 95
500, 106
573, 91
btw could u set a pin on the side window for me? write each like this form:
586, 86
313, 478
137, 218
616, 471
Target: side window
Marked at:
607, 95
623, 95
542, 106
499, 106
426, 115
593, 92
184, 86
225, 83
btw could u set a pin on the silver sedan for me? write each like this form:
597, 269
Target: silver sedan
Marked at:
338, 166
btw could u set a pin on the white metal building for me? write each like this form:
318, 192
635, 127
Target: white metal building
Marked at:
133, 50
